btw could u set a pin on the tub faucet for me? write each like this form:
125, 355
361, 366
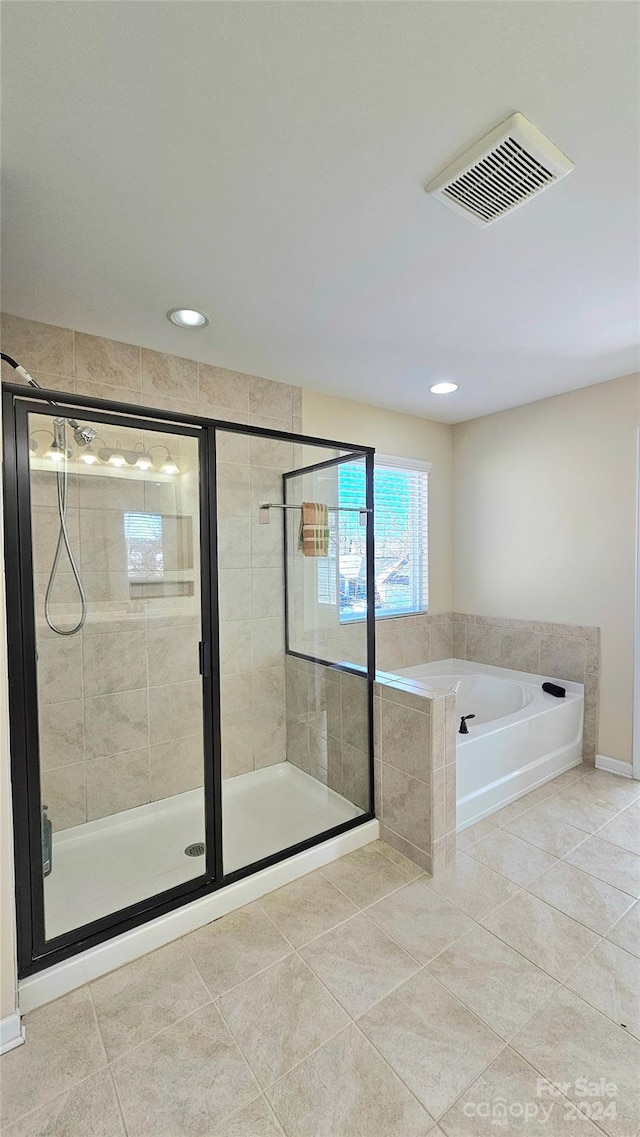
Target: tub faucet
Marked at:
464, 729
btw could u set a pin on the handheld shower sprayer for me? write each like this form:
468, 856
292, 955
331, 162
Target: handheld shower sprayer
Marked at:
83, 435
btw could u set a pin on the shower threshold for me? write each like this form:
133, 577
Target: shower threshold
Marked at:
105, 865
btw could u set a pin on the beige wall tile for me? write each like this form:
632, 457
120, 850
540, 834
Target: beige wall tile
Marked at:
268, 692
236, 697
114, 662
107, 361
174, 711
64, 792
234, 594
220, 387
233, 490
407, 807
483, 644
269, 741
520, 650
562, 657
267, 642
235, 647
61, 727
59, 670
172, 655
406, 739
114, 723
267, 593
237, 749
37, 346
168, 375
234, 542
117, 783
269, 398
298, 744
175, 767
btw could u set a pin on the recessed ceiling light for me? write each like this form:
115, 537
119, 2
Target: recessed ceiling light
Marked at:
188, 318
443, 388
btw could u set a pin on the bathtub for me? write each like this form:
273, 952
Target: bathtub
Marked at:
520, 736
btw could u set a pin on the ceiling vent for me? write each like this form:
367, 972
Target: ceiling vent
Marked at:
505, 169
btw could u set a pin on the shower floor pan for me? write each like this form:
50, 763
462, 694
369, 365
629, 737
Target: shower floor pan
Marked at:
105, 865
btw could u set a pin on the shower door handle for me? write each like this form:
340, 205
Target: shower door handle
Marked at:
204, 658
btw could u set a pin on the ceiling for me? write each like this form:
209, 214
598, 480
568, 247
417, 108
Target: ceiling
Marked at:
265, 162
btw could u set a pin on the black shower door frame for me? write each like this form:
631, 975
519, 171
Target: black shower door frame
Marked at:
35, 952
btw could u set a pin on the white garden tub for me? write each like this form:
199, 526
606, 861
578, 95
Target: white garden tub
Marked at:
520, 736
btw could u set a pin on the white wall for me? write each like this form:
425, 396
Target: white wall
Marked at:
544, 526
406, 437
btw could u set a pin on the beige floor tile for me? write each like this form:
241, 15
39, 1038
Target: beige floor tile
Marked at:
626, 933
64, 1047
420, 920
589, 901
523, 804
371, 873
575, 805
187, 1080
346, 1089
608, 862
506, 1099
91, 1110
545, 936
491, 979
609, 979
307, 908
568, 1040
542, 827
472, 887
624, 830
575, 774
612, 790
235, 947
519, 861
255, 1120
138, 1000
432, 1042
468, 837
358, 963
280, 1016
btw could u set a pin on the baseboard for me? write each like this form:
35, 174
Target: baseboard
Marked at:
63, 977
614, 765
11, 1032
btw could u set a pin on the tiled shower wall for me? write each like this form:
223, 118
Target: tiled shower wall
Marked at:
120, 701
328, 727
251, 592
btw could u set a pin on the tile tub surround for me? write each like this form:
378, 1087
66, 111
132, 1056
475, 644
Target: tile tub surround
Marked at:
363, 997
563, 651
415, 771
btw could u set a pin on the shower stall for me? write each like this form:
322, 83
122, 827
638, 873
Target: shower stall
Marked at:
191, 696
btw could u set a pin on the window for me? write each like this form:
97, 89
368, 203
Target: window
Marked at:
400, 496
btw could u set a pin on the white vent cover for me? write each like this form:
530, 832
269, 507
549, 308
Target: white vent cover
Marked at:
506, 168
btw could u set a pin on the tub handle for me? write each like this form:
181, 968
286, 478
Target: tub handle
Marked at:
464, 729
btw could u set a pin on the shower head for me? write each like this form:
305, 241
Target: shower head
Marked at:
83, 435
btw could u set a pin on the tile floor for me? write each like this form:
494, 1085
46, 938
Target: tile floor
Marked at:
366, 1000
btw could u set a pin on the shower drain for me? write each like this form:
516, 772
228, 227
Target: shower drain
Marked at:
195, 850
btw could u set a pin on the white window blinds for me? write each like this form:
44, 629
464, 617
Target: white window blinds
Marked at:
401, 532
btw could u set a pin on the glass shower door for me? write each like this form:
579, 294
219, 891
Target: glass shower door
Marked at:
114, 530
